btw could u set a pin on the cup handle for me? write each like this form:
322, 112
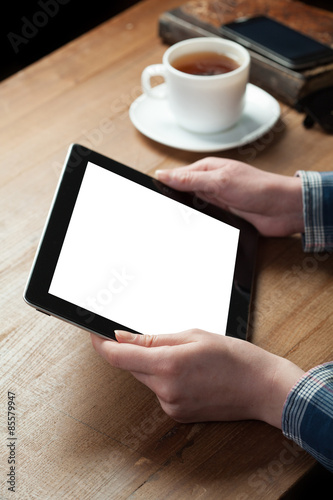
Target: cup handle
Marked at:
147, 74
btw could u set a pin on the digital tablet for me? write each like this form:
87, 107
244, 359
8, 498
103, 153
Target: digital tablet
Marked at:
120, 250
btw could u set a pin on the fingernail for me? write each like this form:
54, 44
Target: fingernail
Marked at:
162, 174
124, 336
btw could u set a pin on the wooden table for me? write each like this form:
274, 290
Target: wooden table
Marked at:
85, 430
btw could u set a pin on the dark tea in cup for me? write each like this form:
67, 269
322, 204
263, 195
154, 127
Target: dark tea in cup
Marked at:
204, 85
205, 63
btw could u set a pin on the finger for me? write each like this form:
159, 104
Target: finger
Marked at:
203, 165
206, 164
154, 340
137, 357
212, 194
125, 356
185, 179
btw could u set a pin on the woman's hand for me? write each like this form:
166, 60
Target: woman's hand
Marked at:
271, 202
201, 376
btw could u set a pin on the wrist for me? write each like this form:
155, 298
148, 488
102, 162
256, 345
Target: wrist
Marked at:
282, 376
261, 381
291, 199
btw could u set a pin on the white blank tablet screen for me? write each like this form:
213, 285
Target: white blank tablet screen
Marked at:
144, 260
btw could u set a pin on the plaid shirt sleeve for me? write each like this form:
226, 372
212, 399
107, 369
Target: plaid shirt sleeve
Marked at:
317, 190
307, 416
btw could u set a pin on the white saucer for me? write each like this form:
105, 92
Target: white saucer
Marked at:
153, 118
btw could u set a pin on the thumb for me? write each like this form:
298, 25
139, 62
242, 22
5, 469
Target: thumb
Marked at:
125, 337
184, 179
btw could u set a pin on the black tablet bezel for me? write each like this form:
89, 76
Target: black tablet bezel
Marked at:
36, 291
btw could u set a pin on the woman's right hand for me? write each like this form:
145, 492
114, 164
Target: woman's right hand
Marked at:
271, 202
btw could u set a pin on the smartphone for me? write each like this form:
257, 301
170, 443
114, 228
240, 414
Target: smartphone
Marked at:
278, 42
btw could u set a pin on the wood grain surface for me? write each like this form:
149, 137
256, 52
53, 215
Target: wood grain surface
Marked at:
88, 431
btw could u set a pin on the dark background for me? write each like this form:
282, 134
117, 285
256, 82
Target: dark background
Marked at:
52, 26
68, 20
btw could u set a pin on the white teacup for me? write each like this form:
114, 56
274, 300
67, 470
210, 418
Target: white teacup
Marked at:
202, 104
